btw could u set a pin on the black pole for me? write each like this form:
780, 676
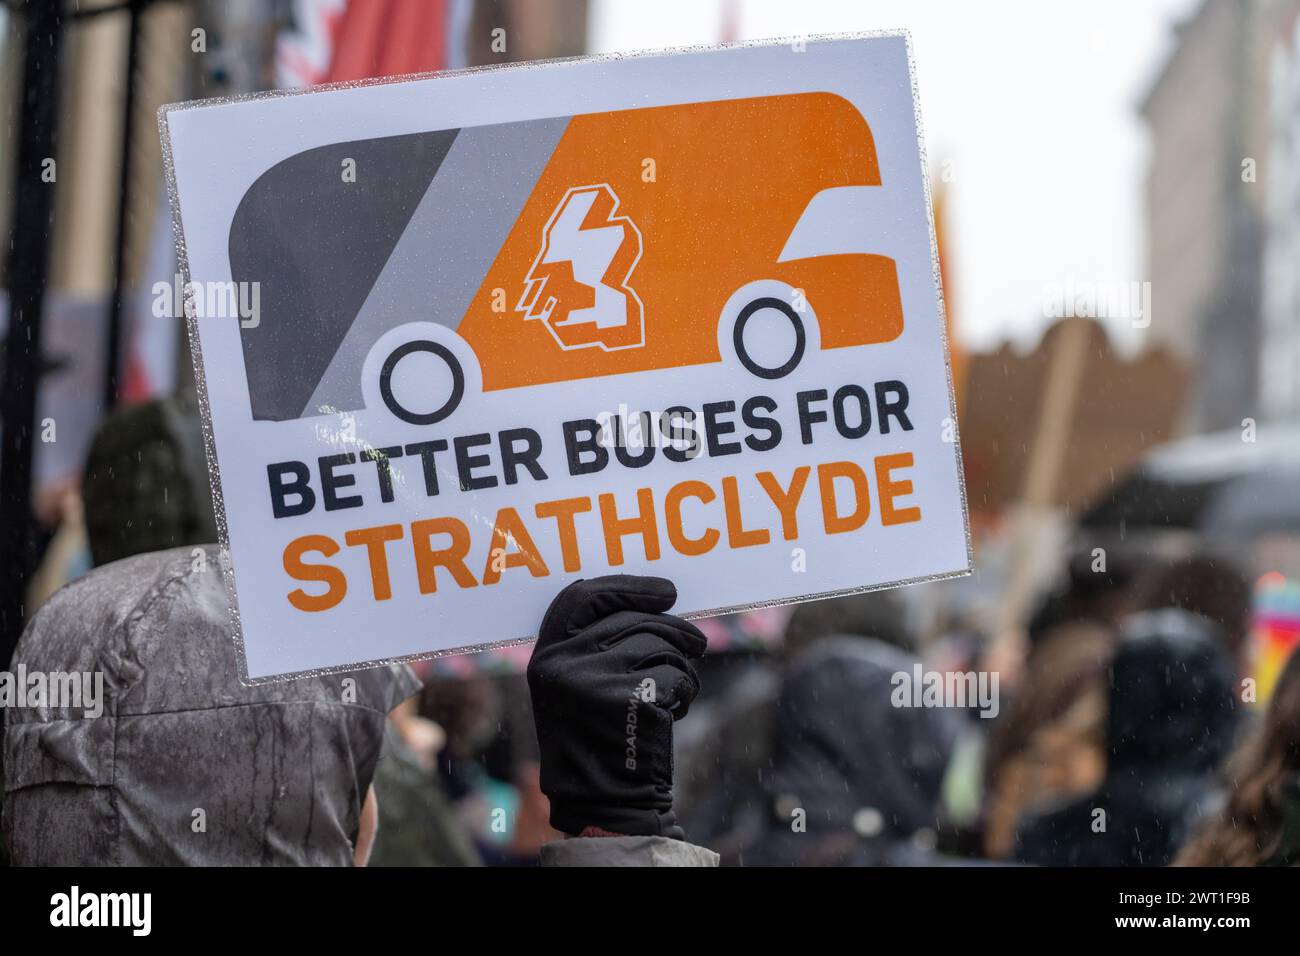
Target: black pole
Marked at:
31, 227
113, 359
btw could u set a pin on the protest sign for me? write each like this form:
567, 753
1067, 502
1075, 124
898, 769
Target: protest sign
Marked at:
463, 339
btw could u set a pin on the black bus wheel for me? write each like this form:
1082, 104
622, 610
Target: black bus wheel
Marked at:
401, 411
800, 337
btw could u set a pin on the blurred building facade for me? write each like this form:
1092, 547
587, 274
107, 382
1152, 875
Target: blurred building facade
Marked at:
1220, 201
1205, 207
1280, 367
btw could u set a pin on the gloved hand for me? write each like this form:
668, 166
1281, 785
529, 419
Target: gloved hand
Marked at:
609, 675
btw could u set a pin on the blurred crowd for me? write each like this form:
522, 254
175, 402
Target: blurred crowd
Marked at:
1128, 728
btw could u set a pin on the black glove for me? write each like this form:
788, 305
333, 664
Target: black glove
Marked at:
610, 674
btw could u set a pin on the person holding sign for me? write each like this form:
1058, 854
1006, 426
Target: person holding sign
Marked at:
610, 675
165, 771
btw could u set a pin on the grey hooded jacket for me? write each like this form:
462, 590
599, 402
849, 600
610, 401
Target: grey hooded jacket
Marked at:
185, 764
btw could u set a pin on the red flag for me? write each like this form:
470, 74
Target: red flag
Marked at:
389, 38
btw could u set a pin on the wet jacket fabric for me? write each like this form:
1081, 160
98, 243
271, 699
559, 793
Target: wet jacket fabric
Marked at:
1171, 721
186, 764
865, 774
626, 851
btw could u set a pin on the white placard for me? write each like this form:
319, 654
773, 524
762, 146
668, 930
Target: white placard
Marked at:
465, 338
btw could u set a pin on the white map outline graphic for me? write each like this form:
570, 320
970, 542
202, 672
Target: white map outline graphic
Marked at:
534, 285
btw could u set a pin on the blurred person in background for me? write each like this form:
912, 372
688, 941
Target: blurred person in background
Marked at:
144, 488
67, 556
1086, 595
418, 825
1171, 716
854, 780
720, 768
1205, 585
488, 764
1260, 823
146, 481
879, 615
1050, 744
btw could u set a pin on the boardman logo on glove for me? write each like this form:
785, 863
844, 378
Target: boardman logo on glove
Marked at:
497, 270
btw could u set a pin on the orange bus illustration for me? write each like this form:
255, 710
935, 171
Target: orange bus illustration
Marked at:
568, 248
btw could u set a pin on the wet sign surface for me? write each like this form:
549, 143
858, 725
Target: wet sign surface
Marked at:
467, 338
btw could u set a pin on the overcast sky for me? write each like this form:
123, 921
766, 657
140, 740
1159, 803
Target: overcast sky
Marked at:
1035, 103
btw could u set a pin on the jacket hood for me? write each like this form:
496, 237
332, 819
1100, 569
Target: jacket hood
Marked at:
185, 764
846, 754
1172, 694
